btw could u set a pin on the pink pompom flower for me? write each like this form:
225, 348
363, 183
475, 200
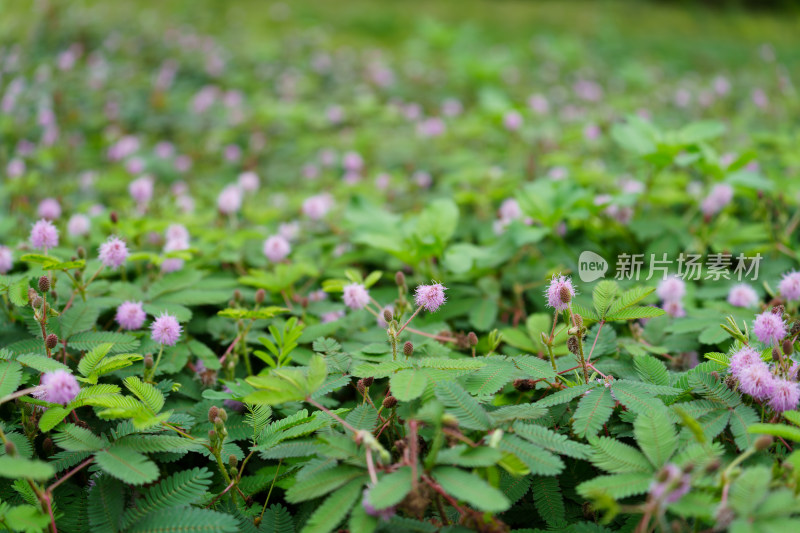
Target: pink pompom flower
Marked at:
743, 295
166, 330
784, 396
59, 387
789, 286
674, 308
113, 252
141, 190
355, 296
229, 200
430, 297
249, 181
78, 225
276, 248
560, 292
720, 196
44, 235
49, 208
757, 381
6, 259
671, 289
744, 358
130, 315
769, 328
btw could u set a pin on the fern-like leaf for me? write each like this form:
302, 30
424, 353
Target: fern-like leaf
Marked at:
548, 500
618, 458
182, 488
593, 411
106, 501
552, 441
464, 407
656, 437
186, 519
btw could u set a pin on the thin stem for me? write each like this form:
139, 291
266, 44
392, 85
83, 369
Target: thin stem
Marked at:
410, 319
274, 479
331, 413
371, 468
602, 323
68, 475
19, 393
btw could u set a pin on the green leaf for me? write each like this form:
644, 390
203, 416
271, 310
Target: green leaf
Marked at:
565, 395
185, 519
19, 467
92, 358
635, 313
80, 317
106, 502
464, 407
77, 439
483, 315
742, 418
602, 296
776, 430
147, 393
552, 441
182, 488
749, 489
548, 500
628, 298
89, 340
127, 465
651, 370
593, 411
10, 377
408, 384
334, 509
41, 363
25, 518
391, 488
617, 486
539, 461
618, 458
470, 488
534, 368
656, 436
323, 483
52, 417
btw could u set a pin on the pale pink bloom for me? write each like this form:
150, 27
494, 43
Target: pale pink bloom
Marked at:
760, 98
58, 386
382, 181
725, 160
422, 178
317, 296
141, 190
44, 235
135, 165
96, 209
721, 85
430, 297
123, 148
78, 225
172, 264
621, 213
15, 168
164, 150
431, 127
588, 90
289, 230
558, 173
682, 97
6, 259
509, 210
512, 121
353, 161
757, 381
166, 330
742, 359
335, 114
720, 196
130, 315
331, 316
183, 163
316, 207
672, 288
630, 186
229, 200
204, 99
743, 295
351, 177
232, 153
789, 286
412, 111
248, 181
327, 157
276, 248
538, 104
177, 233
113, 252
559, 292
591, 132
674, 308
49, 208
310, 171
769, 328
355, 296
452, 107
784, 396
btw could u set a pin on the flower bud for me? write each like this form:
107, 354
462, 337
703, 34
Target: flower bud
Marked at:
260, 295
47, 446
524, 385
11, 450
257, 521
400, 279
572, 345
361, 386
449, 420
81, 252
472, 338
219, 424
32, 293
578, 320
212, 437
37, 301
237, 295
778, 310
213, 411
232, 461
776, 354
232, 471
387, 315
713, 466
148, 361
763, 442
389, 402
565, 294
408, 349
788, 347
795, 328
78, 275
222, 414
51, 341
368, 381
114, 218
44, 284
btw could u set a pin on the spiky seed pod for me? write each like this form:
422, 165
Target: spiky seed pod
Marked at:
368, 381
788, 347
37, 302
473, 338
408, 349
565, 294
387, 315
51, 341
361, 386
389, 402
400, 279
524, 385
237, 295
11, 450
572, 345
213, 411
778, 310
795, 328
578, 320
776, 354
114, 218
261, 294
47, 446
44, 284
730, 382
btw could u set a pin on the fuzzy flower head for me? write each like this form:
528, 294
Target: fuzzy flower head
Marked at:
671, 289
44, 235
355, 296
249, 181
720, 196
177, 233
316, 207
790, 286
113, 252
141, 190
130, 315
59, 387
276, 248
430, 297
560, 292
743, 295
769, 328
785, 395
166, 330
674, 308
229, 200
744, 358
78, 225
49, 208
6, 259
757, 381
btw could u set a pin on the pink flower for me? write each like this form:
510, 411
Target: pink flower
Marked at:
249, 181
164, 150
78, 225
130, 315
742, 359
720, 196
509, 210
430, 297
559, 292
785, 395
49, 208
743, 295
331, 316
166, 330
141, 190
6, 259
452, 107
353, 162
276, 248
539, 104
422, 179
769, 328
177, 233
59, 387
171, 264
316, 207
757, 381
289, 230
674, 308
44, 235
671, 289
113, 252
355, 296
512, 121
431, 127
317, 296
384, 514
789, 286
229, 200
15, 168
232, 153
